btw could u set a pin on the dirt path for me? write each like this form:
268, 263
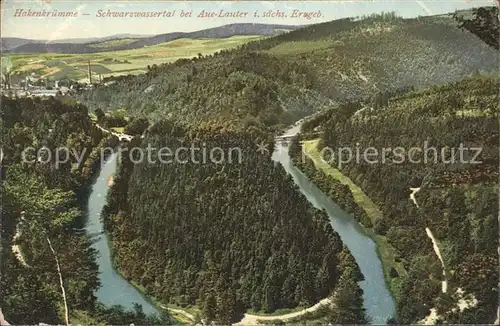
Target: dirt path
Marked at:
444, 284
433, 316
2, 319
16, 250
412, 195
249, 319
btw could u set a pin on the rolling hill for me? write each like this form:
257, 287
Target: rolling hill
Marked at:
9, 43
56, 66
282, 78
16, 45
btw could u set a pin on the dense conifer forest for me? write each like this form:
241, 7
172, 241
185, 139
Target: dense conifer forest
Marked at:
226, 236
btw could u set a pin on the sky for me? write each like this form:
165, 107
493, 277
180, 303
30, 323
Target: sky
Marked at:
86, 24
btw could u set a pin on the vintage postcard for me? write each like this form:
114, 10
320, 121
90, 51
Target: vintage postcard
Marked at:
249, 162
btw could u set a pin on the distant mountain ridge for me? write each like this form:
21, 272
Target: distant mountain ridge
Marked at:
9, 43
20, 45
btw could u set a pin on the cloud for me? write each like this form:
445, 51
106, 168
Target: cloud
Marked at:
63, 27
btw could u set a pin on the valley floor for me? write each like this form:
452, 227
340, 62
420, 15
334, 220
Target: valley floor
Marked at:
386, 252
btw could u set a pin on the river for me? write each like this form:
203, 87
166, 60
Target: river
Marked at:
114, 290
378, 301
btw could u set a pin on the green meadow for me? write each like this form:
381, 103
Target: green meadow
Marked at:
385, 250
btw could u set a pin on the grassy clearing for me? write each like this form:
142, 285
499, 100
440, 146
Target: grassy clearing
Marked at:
74, 66
119, 130
191, 310
385, 251
372, 210
112, 43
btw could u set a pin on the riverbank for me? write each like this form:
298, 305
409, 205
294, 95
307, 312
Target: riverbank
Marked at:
106, 181
140, 289
181, 316
385, 251
114, 290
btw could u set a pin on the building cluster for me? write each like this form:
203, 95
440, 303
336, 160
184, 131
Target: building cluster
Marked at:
32, 85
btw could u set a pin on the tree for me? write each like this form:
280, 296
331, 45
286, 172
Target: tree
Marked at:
484, 25
137, 126
209, 309
347, 306
99, 114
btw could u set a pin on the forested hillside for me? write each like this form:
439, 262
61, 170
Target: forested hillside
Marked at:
457, 200
227, 236
230, 237
233, 89
41, 208
352, 58
282, 78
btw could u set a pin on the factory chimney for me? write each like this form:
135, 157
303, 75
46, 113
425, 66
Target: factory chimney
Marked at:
90, 74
